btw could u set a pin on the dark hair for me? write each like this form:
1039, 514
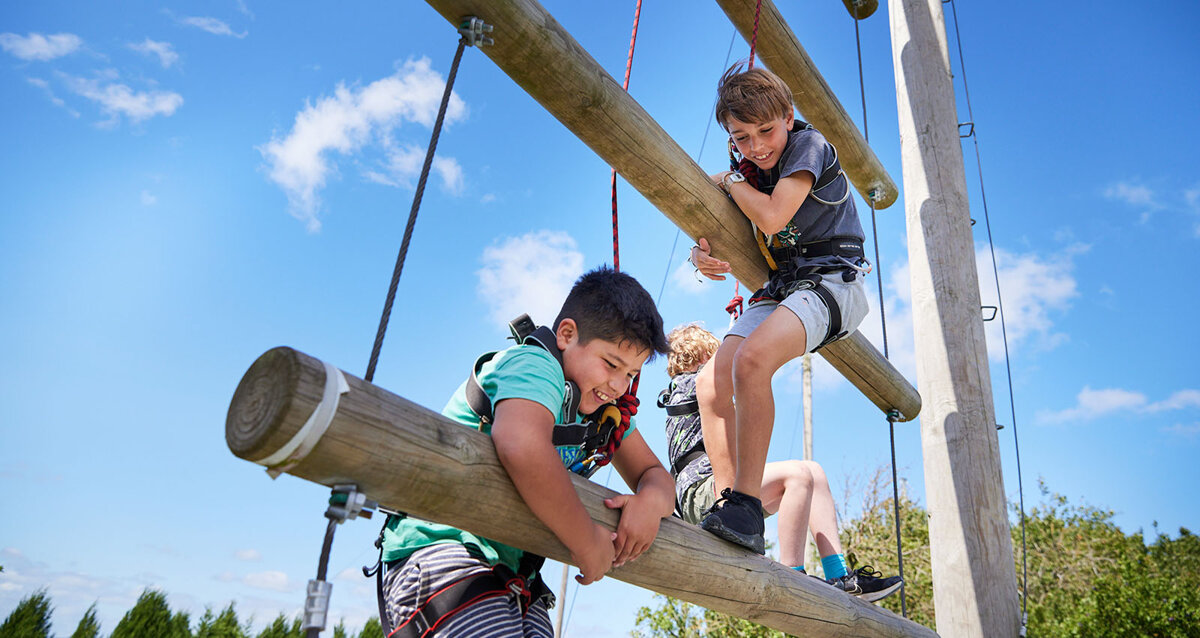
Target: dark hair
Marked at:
753, 96
610, 305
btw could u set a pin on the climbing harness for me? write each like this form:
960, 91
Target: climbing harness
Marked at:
597, 438
525, 585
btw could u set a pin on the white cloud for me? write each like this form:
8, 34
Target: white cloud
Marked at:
163, 50
117, 99
1181, 399
271, 580
487, 198
36, 46
211, 25
1132, 194
248, 554
1092, 404
1035, 287
148, 198
528, 274
351, 119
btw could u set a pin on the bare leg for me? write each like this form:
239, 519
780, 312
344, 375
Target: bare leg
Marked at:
714, 393
787, 488
823, 516
776, 341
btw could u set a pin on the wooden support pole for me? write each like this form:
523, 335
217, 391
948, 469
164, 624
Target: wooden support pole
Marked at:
417, 461
779, 49
542, 58
974, 582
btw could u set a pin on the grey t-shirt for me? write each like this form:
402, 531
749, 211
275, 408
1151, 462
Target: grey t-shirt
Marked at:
808, 150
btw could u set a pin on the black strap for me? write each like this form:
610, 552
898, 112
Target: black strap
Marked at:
687, 459
835, 316
543, 337
683, 409
849, 247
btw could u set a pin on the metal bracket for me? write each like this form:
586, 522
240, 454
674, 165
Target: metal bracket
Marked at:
991, 316
473, 30
347, 503
970, 129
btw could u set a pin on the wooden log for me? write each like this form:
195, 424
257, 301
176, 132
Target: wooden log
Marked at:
974, 583
779, 49
412, 459
541, 57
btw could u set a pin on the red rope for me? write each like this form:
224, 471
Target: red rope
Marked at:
734, 307
637, 14
754, 36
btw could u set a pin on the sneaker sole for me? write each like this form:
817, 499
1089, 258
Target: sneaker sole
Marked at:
881, 594
754, 542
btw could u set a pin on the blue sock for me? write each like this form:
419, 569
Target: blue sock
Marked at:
834, 565
800, 568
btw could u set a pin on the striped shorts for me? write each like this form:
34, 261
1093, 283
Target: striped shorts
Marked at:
409, 583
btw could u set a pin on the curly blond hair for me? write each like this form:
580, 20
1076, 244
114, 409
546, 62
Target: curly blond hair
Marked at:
691, 345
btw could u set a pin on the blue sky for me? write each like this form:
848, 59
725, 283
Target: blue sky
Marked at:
188, 186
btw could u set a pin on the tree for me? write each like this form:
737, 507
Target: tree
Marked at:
1086, 577
340, 630
88, 626
372, 629
281, 628
150, 616
30, 618
224, 625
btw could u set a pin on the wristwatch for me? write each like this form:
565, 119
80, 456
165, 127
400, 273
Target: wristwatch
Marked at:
731, 178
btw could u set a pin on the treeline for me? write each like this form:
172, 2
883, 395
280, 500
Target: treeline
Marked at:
1086, 578
151, 617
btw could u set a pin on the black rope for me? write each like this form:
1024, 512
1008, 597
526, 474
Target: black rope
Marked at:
412, 215
698, 154
1000, 303
892, 415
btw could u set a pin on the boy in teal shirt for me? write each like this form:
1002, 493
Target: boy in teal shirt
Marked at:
607, 328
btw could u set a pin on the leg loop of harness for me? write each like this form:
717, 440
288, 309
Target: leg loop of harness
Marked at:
470, 590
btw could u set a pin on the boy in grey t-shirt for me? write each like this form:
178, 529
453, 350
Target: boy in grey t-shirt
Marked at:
791, 188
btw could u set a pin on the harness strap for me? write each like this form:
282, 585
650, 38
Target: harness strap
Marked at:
687, 459
683, 409
461, 594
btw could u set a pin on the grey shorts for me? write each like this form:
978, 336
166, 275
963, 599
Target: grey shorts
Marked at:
810, 309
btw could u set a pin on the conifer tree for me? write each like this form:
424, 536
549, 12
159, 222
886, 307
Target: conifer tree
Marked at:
30, 618
224, 625
372, 629
88, 626
282, 628
150, 616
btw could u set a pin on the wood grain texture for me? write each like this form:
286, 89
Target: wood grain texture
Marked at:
414, 460
974, 580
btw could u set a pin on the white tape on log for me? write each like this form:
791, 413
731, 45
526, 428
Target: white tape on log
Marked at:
306, 438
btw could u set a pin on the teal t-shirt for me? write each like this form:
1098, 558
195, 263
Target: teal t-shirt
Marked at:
520, 372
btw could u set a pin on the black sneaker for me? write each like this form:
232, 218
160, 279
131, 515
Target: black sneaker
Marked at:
868, 584
737, 518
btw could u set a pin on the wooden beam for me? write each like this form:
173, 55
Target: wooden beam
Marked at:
412, 459
541, 57
974, 583
779, 49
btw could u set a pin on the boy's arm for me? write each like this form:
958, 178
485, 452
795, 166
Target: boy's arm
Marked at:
522, 432
653, 498
770, 212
